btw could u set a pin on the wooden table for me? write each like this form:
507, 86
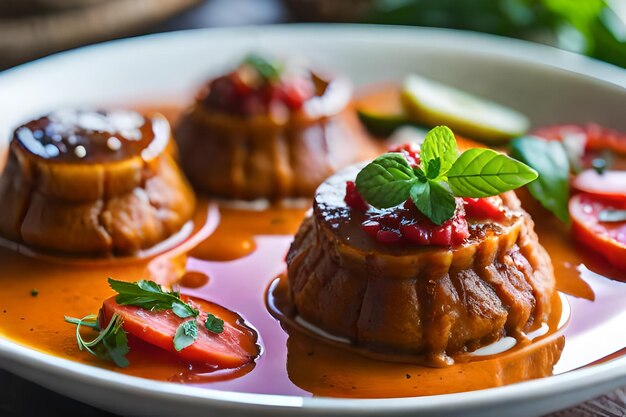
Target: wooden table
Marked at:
19, 397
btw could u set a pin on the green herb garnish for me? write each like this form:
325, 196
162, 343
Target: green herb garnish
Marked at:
111, 344
186, 334
612, 216
214, 324
442, 175
270, 70
34, 292
550, 160
150, 296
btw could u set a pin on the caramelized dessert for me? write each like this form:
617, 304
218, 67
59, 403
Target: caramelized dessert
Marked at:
252, 132
93, 182
448, 262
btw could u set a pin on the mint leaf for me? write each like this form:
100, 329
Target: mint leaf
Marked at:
433, 169
386, 181
214, 324
270, 70
150, 296
389, 180
434, 200
186, 334
483, 173
439, 143
550, 160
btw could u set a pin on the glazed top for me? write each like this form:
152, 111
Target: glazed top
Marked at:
474, 220
93, 136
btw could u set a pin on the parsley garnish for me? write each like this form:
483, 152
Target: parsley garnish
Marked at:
214, 324
442, 175
186, 334
150, 296
111, 344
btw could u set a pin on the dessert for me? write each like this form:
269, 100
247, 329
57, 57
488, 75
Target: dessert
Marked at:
251, 133
406, 282
93, 182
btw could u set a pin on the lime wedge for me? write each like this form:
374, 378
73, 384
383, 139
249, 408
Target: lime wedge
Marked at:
431, 103
381, 110
380, 124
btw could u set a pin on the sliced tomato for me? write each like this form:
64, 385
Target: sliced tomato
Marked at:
609, 184
232, 348
484, 208
607, 239
600, 138
597, 138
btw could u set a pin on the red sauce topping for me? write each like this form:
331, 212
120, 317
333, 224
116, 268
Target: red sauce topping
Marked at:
405, 223
596, 137
484, 208
246, 92
410, 151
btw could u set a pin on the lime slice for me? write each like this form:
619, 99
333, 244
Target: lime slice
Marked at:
433, 104
380, 124
381, 110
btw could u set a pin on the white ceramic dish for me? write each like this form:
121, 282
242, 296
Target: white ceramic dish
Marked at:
550, 86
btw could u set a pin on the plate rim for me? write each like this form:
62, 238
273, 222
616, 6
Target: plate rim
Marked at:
526, 52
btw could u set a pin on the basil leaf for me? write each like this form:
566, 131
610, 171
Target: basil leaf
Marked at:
214, 324
439, 143
386, 181
186, 334
550, 160
612, 216
434, 200
483, 173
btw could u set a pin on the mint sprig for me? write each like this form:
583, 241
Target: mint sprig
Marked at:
442, 175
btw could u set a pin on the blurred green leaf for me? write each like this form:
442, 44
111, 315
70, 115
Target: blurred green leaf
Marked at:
593, 27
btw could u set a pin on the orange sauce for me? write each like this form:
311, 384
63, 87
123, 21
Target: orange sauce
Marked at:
235, 266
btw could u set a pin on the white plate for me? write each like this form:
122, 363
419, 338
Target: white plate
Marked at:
550, 86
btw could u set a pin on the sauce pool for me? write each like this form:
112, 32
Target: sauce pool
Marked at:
235, 267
